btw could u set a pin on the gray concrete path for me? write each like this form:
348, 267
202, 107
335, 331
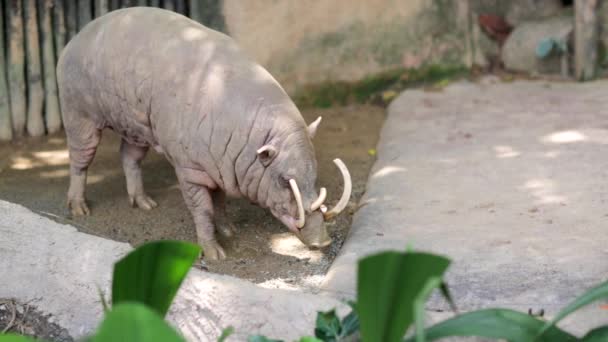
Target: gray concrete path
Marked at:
510, 180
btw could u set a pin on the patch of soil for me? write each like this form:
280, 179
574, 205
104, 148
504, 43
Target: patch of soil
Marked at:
34, 173
24, 319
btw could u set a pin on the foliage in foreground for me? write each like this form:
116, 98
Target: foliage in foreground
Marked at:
147, 279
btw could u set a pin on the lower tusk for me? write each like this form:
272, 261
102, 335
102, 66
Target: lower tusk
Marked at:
317, 204
348, 185
296, 193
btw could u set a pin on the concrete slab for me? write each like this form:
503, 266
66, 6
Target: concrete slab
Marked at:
507, 179
54, 267
58, 270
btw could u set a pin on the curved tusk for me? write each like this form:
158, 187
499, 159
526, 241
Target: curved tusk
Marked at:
322, 196
348, 186
296, 193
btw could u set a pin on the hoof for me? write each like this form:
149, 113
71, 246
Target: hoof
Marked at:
78, 207
143, 202
213, 251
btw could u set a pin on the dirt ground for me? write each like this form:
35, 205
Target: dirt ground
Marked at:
34, 173
24, 319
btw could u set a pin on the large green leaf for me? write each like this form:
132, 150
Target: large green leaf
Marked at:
328, 327
15, 338
387, 286
152, 273
596, 293
495, 323
225, 334
350, 323
597, 335
134, 322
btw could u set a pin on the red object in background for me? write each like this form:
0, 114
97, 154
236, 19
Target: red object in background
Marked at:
496, 27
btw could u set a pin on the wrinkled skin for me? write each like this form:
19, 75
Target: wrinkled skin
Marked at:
161, 80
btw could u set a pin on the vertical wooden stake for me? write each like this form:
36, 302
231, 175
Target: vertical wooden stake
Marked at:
169, 5
195, 10
16, 70
71, 17
59, 27
6, 128
84, 13
101, 7
35, 121
52, 115
586, 39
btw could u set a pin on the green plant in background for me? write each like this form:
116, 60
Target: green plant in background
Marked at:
392, 289
377, 89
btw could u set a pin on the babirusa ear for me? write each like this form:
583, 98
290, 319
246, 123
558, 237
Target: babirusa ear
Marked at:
266, 154
312, 128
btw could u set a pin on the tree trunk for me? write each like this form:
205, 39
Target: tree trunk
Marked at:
52, 115
16, 67
586, 39
35, 121
71, 18
154, 3
84, 13
59, 26
168, 4
141, 3
6, 128
101, 7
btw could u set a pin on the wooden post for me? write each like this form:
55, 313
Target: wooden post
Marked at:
59, 26
586, 39
84, 13
114, 4
16, 74
169, 5
35, 121
6, 128
71, 18
180, 6
101, 7
195, 10
52, 115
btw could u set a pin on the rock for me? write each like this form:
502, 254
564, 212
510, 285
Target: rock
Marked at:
519, 51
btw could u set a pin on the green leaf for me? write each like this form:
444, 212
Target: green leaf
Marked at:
419, 306
260, 338
225, 333
497, 324
310, 339
152, 273
597, 335
594, 294
15, 338
387, 285
134, 322
328, 327
350, 323
445, 292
